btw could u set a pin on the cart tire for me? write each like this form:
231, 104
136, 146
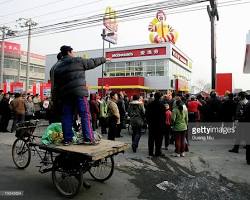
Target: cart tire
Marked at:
102, 169
21, 153
71, 180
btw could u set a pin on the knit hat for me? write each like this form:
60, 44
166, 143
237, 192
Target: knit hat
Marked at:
65, 49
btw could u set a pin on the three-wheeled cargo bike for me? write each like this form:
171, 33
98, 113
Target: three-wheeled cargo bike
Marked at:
67, 163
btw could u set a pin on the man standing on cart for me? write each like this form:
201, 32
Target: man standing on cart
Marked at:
69, 79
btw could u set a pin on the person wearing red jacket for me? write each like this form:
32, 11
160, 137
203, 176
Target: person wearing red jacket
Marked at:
193, 111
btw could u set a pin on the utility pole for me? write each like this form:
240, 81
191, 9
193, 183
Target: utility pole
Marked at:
29, 24
5, 32
103, 46
213, 14
3, 29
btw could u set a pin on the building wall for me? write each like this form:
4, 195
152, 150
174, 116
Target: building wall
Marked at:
175, 64
15, 64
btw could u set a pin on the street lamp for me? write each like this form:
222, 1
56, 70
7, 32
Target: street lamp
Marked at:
27, 23
5, 32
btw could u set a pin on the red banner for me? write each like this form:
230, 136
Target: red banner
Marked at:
11, 48
179, 57
13, 87
157, 51
43, 89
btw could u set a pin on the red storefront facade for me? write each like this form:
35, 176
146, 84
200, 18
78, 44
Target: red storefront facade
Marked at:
130, 85
147, 68
138, 69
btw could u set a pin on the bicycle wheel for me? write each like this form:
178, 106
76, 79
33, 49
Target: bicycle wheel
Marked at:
21, 153
67, 181
102, 169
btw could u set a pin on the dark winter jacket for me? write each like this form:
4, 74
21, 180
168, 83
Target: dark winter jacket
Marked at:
155, 115
69, 75
136, 112
94, 108
213, 110
52, 79
228, 110
4, 107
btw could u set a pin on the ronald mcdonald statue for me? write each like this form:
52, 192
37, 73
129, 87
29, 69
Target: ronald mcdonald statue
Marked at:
160, 31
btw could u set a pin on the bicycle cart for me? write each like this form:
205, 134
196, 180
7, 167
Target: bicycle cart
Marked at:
67, 163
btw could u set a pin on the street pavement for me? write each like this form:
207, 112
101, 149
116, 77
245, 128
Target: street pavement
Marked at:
207, 172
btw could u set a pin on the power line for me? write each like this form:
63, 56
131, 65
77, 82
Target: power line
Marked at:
119, 6
32, 8
77, 6
122, 18
52, 12
61, 10
136, 12
88, 18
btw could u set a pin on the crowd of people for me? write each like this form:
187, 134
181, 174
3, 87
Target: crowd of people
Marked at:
21, 107
165, 116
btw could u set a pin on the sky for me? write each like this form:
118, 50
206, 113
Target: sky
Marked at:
193, 29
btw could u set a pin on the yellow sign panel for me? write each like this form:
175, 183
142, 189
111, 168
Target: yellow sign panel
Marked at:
111, 25
109, 20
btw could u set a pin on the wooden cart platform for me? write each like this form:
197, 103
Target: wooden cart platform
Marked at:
94, 152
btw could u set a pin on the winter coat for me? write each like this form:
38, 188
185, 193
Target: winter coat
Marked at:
122, 111
179, 120
30, 108
213, 109
94, 108
136, 112
69, 75
52, 79
4, 108
18, 106
103, 109
228, 110
113, 111
155, 115
37, 104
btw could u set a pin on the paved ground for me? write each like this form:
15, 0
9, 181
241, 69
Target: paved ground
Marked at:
207, 172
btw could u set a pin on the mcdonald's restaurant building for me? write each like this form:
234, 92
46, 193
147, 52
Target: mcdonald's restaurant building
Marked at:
138, 69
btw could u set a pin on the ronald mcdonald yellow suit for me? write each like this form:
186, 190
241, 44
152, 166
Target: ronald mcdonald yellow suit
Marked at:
160, 31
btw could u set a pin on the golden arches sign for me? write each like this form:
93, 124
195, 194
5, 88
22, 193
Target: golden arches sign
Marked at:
109, 20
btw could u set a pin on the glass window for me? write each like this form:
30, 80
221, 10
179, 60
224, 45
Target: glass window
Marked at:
120, 69
138, 68
11, 63
23, 67
110, 69
38, 70
130, 68
149, 68
159, 67
31, 69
